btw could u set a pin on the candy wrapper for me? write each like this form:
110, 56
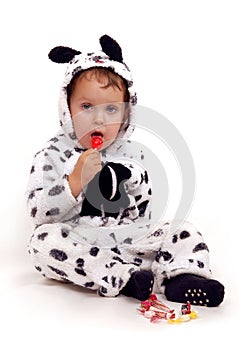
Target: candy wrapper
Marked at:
155, 310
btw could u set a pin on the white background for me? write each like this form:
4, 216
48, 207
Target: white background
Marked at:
185, 57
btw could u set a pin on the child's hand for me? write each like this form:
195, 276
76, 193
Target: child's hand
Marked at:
87, 166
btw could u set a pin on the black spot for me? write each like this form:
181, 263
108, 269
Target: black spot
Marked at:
116, 250
110, 265
127, 240
140, 253
89, 284
80, 271
200, 246
146, 177
68, 153
120, 283
113, 280
80, 262
34, 212
120, 260
150, 191
58, 254
191, 260
54, 148
54, 139
32, 169
200, 264
105, 278
31, 195
57, 271
184, 235
47, 167
56, 190
38, 268
175, 238
94, 251
53, 211
42, 236
137, 261
102, 291
142, 207
64, 232
163, 254
137, 198
157, 233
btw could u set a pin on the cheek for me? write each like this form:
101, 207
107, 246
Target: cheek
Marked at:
81, 127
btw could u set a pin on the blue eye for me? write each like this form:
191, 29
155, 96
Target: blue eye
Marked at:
87, 107
111, 109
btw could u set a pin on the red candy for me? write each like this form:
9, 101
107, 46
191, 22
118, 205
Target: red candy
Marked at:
96, 142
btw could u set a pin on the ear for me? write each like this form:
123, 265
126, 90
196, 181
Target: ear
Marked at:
62, 54
111, 48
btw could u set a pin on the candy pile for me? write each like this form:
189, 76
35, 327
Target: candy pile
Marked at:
155, 310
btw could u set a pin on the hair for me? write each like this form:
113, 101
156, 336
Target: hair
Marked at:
104, 76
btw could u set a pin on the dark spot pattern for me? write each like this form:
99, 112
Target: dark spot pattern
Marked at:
42, 236
56, 190
200, 264
47, 167
54, 148
174, 238
80, 262
113, 281
142, 207
163, 254
53, 211
116, 250
64, 232
200, 246
94, 251
184, 235
137, 198
89, 284
59, 255
68, 153
57, 271
38, 268
34, 212
117, 258
137, 261
127, 240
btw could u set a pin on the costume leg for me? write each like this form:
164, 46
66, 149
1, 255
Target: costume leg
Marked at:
57, 256
183, 250
181, 267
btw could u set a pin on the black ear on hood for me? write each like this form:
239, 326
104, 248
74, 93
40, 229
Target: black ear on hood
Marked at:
111, 48
62, 54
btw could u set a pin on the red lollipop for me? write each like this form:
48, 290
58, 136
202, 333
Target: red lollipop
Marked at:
96, 142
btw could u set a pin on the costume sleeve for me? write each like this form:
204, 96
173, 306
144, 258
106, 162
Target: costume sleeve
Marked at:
48, 195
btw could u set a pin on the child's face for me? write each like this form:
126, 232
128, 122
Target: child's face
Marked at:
96, 110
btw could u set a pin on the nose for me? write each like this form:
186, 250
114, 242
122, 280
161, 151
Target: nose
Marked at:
98, 116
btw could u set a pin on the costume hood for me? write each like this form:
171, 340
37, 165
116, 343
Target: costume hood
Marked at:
109, 57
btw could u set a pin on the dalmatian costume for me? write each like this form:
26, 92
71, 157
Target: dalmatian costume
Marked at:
100, 243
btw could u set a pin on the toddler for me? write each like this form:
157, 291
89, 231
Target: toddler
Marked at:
90, 202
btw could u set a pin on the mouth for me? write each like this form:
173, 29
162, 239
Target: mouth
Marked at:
97, 133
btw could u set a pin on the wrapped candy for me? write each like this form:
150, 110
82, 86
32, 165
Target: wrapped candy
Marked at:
155, 310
